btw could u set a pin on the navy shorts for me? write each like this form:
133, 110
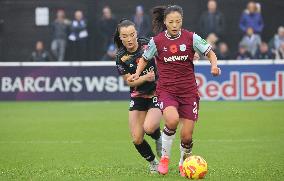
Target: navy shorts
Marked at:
143, 104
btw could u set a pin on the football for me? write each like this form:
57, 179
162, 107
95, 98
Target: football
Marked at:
195, 167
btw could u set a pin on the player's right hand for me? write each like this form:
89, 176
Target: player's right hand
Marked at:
150, 76
133, 77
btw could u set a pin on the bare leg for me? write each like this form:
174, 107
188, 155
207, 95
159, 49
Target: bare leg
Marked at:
186, 139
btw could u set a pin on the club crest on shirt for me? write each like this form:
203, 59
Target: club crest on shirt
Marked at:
126, 57
182, 47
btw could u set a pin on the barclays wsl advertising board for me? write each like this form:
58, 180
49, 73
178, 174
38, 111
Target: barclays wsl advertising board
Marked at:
240, 80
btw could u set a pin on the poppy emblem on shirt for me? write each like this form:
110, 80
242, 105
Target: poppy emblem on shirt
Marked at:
182, 47
173, 48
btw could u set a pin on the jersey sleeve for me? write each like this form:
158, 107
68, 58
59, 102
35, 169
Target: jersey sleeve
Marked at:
200, 45
150, 51
121, 68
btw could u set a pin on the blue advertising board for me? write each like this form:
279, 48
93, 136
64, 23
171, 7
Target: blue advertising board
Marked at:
100, 81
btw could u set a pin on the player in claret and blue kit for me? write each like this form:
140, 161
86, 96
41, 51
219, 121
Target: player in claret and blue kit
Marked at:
177, 91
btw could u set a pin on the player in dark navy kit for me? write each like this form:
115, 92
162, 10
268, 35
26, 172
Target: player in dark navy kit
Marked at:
144, 112
174, 49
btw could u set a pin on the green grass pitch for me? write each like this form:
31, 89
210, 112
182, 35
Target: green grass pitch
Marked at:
91, 141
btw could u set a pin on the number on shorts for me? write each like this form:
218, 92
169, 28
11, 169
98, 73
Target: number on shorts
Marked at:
161, 105
195, 108
131, 104
155, 100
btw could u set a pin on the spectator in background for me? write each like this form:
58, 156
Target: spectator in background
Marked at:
263, 52
107, 26
110, 54
212, 39
243, 54
251, 18
278, 38
59, 35
251, 41
78, 37
279, 54
223, 51
1, 36
40, 54
142, 22
212, 21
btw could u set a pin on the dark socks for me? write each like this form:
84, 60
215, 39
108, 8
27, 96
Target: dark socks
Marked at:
145, 151
156, 135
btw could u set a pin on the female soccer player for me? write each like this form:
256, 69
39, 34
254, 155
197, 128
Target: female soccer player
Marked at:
177, 91
144, 112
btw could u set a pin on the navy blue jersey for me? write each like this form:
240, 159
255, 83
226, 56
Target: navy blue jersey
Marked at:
126, 62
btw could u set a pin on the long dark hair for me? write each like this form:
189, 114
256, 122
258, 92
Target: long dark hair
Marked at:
116, 38
159, 13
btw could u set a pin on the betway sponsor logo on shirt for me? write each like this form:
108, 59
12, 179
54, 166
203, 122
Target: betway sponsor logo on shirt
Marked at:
176, 58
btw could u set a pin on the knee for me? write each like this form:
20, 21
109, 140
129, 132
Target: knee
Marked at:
149, 129
172, 122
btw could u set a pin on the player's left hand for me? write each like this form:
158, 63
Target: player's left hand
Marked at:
215, 71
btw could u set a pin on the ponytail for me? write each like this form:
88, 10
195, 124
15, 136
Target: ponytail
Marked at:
159, 14
116, 39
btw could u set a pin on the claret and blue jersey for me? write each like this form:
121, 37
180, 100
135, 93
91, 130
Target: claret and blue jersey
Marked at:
174, 58
195, 42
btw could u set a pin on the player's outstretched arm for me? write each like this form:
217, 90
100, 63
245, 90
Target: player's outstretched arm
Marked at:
215, 70
149, 77
140, 67
148, 55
